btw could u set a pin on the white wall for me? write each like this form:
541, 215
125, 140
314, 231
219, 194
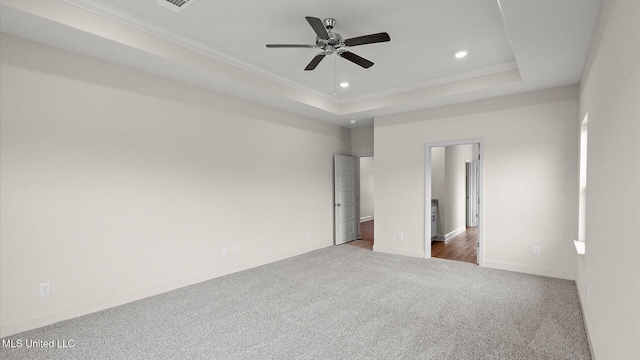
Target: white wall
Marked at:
366, 188
362, 144
438, 186
448, 186
455, 195
610, 94
117, 184
530, 159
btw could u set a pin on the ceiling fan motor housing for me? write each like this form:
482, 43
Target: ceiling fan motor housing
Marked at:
329, 46
335, 40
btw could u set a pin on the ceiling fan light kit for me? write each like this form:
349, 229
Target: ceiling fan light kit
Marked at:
330, 42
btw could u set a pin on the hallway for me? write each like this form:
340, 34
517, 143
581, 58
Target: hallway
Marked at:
366, 242
460, 248
463, 247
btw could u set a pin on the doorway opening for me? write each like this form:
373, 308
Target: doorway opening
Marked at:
365, 207
453, 200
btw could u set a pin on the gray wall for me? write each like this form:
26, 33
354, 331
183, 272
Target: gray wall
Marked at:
362, 140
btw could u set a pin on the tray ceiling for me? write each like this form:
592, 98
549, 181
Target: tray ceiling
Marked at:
512, 45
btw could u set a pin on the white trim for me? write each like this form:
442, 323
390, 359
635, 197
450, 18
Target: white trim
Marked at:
487, 70
530, 270
427, 182
450, 235
396, 251
137, 22
580, 247
89, 307
366, 218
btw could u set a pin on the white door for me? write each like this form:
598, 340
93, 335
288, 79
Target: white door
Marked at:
344, 199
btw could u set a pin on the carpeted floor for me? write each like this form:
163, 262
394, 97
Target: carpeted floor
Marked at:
336, 303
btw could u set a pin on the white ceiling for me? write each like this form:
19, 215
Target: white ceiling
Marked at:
513, 45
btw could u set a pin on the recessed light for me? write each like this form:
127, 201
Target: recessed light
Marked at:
344, 84
461, 54
352, 121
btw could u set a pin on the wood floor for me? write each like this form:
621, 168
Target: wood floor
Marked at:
463, 247
366, 242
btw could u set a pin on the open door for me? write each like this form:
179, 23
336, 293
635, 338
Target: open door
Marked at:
344, 199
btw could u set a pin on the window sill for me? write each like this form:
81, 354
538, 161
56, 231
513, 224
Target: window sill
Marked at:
580, 248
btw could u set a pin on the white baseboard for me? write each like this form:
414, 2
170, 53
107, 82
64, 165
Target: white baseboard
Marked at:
584, 320
389, 250
529, 270
120, 299
366, 218
450, 235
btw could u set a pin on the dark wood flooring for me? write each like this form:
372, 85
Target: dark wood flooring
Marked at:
463, 247
366, 242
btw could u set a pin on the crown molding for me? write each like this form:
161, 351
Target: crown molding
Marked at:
126, 18
142, 24
487, 70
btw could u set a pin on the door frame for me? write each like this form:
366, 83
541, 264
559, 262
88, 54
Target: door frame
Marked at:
427, 203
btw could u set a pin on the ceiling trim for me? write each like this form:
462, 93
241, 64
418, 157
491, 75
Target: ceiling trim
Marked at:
95, 24
438, 91
89, 22
152, 28
539, 59
487, 70
506, 30
139, 23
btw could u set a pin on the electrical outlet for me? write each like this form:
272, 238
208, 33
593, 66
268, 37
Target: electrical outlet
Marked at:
536, 250
237, 248
225, 250
400, 236
45, 289
307, 234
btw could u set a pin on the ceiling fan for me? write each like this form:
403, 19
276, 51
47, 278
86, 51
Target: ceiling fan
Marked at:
330, 42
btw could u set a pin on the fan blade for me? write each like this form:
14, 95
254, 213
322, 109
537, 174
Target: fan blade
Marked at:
356, 59
318, 27
290, 46
315, 61
368, 39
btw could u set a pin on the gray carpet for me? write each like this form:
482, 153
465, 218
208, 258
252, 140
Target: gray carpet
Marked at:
336, 303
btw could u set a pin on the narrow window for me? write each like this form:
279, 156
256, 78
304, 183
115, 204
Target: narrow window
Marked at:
582, 204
